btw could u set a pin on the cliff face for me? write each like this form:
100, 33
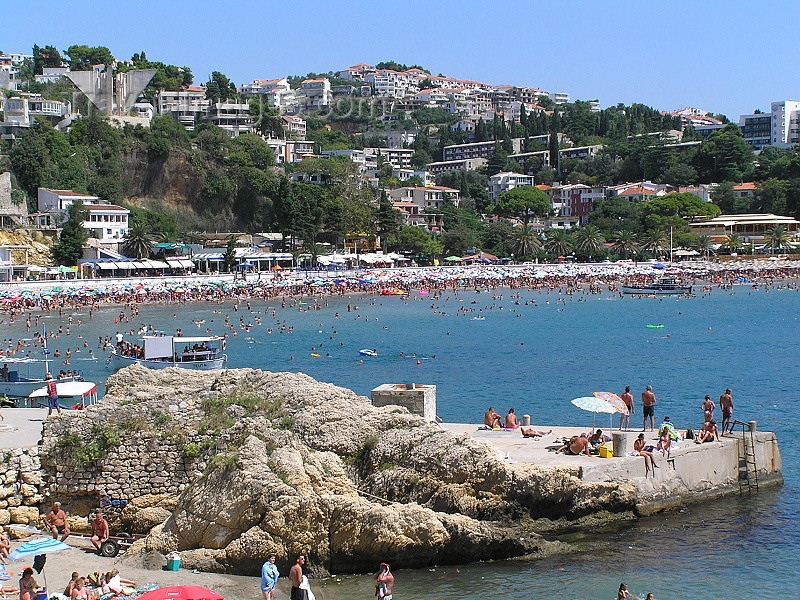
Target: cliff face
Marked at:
279, 463
173, 180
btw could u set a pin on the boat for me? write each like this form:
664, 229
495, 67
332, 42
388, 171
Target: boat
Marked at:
21, 382
201, 353
651, 326
664, 286
368, 352
72, 395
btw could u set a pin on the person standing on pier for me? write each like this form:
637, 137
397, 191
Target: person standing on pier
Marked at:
726, 402
708, 407
627, 398
648, 407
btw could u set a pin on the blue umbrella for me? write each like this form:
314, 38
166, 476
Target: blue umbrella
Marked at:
594, 405
38, 547
660, 266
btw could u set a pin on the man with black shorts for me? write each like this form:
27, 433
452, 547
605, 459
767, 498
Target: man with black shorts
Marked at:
56, 520
726, 402
296, 577
649, 407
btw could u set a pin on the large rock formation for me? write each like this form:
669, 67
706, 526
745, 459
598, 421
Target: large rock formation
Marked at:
280, 463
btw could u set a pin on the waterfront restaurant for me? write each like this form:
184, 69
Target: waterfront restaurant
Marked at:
751, 227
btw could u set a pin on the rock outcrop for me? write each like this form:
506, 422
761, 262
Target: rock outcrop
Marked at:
247, 463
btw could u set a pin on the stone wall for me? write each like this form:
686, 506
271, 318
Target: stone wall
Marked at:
21, 489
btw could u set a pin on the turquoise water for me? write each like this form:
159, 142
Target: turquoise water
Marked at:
536, 357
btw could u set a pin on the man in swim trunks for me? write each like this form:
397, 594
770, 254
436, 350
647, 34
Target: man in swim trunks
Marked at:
627, 398
491, 418
576, 446
648, 407
726, 402
56, 520
296, 578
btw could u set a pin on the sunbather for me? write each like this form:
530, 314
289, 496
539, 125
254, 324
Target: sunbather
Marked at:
532, 433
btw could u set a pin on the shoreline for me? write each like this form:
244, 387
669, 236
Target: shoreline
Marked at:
51, 295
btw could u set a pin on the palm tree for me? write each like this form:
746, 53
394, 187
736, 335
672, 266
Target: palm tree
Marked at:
734, 242
138, 241
527, 242
559, 242
589, 241
625, 243
656, 242
778, 238
702, 245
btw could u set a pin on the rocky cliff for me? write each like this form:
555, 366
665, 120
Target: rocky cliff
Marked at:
254, 463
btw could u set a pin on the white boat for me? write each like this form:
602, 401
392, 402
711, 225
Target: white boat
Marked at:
368, 352
72, 395
201, 353
664, 286
25, 375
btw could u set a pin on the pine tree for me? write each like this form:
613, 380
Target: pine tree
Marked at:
69, 248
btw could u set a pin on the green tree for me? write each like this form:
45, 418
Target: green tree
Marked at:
219, 88
524, 203
69, 248
387, 220
656, 242
771, 196
724, 156
49, 57
83, 58
229, 256
625, 243
778, 238
527, 243
589, 241
138, 241
559, 242
703, 245
416, 241
733, 243
729, 204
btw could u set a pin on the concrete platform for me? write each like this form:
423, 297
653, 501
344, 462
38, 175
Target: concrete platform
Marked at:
22, 427
692, 472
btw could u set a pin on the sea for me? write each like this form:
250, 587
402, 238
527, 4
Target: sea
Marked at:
535, 351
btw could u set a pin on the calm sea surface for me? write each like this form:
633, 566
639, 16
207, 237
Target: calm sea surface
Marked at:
536, 357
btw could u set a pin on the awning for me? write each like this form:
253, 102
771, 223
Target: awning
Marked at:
180, 263
124, 265
137, 265
106, 266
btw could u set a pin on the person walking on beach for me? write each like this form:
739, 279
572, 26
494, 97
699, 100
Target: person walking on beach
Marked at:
726, 402
296, 578
648, 408
627, 398
269, 577
385, 582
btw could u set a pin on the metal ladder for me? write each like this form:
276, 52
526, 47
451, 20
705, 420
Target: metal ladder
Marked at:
748, 470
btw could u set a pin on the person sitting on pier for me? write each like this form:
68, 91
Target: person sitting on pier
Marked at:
491, 418
511, 419
576, 446
598, 439
639, 449
670, 429
708, 433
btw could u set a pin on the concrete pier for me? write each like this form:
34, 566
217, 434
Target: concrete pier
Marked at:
692, 473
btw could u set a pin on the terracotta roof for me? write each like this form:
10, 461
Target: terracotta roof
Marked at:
748, 186
543, 187
639, 191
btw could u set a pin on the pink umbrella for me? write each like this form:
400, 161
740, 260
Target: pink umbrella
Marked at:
614, 400
181, 592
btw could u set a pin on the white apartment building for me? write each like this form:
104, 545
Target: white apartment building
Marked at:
357, 156
290, 151
276, 92
233, 117
785, 123
559, 97
294, 126
397, 157
426, 198
315, 94
405, 174
576, 200
464, 164
187, 106
106, 222
355, 72
22, 111
51, 74
502, 182
475, 149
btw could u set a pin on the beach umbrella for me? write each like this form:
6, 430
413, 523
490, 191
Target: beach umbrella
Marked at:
38, 548
594, 405
614, 400
181, 592
659, 266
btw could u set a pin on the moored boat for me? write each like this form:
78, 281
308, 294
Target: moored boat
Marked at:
19, 381
201, 353
664, 286
72, 395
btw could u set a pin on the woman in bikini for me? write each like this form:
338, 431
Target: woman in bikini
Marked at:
638, 450
79, 592
27, 585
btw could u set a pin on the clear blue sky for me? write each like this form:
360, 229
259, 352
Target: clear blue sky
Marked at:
727, 56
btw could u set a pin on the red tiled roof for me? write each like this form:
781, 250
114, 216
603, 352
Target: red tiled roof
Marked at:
748, 186
639, 191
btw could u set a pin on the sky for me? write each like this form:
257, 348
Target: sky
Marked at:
723, 56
